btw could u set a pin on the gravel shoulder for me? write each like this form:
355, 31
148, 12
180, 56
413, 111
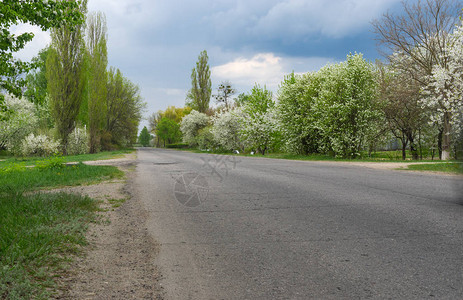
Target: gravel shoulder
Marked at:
118, 263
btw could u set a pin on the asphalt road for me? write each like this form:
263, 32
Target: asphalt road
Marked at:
254, 228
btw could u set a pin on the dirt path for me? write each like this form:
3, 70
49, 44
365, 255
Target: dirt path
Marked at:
119, 261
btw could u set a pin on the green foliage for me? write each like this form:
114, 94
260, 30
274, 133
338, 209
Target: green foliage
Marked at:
124, 111
47, 15
36, 82
53, 163
97, 91
258, 116
66, 71
177, 146
169, 131
199, 95
205, 139
145, 137
333, 110
345, 107
296, 111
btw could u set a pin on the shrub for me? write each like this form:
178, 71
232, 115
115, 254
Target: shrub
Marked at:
177, 146
17, 120
39, 145
78, 142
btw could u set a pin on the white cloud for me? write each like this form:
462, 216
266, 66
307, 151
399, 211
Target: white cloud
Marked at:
41, 40
265, 69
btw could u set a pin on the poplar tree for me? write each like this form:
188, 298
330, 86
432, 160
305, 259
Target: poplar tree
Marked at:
199, 95
97, 91
66, 70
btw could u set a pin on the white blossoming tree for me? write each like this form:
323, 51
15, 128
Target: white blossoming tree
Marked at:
345, 110
191, 124
259, 120
226, 129
16, 122
445, 90
296, 99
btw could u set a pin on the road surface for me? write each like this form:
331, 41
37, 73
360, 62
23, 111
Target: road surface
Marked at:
254, 228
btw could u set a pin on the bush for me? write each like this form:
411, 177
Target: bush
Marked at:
177, 146
17, 121
39, 145
78, 142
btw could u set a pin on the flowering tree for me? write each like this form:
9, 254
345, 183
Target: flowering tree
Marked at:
191, 124
446, 87
345, 110
296, 99
16, 122
226, 129
259, 120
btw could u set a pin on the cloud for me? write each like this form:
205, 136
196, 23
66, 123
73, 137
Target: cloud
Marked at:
265, 69
41, 40
292, 20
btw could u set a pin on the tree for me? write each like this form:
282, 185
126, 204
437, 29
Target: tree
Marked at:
226, 129
259, 120
46, 15
168, 130
191, 124
145, 137
97, 91
66, 70
346, 112
199, 95
124, 110
446, 85
297, 97
421, 34
224, 93
400, 98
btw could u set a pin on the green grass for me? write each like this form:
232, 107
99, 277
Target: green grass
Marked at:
71, 158
449, 167
27, 179
39, 232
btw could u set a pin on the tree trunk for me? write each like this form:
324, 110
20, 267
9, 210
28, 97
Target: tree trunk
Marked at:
446, 137
413, 149
439, 142
404, 146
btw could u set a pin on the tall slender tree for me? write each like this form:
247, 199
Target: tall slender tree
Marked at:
98, 62
199, 95
66, 71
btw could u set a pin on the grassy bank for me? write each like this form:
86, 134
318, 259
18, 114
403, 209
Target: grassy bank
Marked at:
39, 232
446, 167
7, 160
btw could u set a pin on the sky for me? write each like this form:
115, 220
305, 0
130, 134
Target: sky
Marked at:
156, 43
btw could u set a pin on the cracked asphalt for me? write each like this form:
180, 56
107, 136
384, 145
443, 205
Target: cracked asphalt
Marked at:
251, 228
